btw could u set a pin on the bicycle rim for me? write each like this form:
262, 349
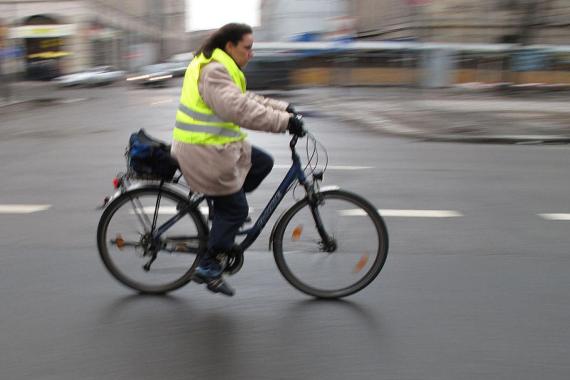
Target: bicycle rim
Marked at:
123, 241
361, 248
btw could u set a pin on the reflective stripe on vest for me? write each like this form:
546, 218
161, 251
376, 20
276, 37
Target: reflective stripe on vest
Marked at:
196, 123
199, 116
210, 129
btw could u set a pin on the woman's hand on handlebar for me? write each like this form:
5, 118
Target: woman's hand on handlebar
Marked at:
291, 109
296, 126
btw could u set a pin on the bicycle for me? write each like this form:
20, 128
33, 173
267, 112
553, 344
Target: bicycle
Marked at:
317, 246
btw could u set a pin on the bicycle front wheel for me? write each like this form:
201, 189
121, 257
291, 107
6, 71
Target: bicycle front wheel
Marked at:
124, 239
347, 263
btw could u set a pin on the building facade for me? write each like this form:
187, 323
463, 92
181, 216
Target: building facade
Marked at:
465, 21
383, 20
472, 24
45, 38
297, 20
461, 21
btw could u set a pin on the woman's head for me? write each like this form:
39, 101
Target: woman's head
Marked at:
234, 39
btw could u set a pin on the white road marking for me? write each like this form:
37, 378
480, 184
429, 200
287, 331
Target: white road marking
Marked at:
22, 209
158, 102
171, 210
351, 212
331, 167
204, 210
555, 216
407, 213
162, 211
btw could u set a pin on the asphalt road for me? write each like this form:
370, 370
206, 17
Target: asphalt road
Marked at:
482, 294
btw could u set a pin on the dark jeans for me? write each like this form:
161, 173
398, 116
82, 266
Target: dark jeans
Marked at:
230, 211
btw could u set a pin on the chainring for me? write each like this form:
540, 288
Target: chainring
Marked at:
235, 262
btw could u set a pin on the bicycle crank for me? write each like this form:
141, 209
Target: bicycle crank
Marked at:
235, 261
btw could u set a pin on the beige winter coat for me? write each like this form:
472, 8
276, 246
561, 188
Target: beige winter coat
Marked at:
221, 170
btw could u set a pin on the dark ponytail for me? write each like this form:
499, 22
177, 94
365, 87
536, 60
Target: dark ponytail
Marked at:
230, 32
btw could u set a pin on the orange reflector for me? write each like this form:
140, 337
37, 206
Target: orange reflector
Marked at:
360, 264
119, 241
297, 231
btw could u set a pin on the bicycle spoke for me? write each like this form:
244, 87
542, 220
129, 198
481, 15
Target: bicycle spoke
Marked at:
141, 259
351, 257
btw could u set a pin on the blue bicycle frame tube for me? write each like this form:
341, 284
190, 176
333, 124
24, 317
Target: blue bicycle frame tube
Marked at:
173, 220
294, 173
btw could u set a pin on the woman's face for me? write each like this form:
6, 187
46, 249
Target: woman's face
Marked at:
243, 51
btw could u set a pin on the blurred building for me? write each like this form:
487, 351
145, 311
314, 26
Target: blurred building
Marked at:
302, 20
384, 19
464, 21
50, 37
478, 26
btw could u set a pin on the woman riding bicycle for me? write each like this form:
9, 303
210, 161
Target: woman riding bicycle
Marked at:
212, 151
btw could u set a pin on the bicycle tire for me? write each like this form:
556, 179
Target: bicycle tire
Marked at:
286, 252
112, 253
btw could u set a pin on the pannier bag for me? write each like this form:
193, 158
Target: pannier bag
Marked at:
150, 158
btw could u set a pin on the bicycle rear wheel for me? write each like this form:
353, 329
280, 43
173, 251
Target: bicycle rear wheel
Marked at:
126, 247
346, 265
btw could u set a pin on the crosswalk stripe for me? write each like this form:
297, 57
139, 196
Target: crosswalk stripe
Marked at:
407, 213
22, 208
555, 216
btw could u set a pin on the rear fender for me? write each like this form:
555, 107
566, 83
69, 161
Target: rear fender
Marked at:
166, 187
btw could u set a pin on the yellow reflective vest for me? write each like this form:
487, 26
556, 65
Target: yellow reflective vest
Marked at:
196, 123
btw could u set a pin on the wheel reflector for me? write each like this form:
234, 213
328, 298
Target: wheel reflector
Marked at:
360, 264
119, 241
297, 231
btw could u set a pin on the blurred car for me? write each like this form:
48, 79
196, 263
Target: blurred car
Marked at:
42, 69
97, 76
179, 62
156, 75
177, 69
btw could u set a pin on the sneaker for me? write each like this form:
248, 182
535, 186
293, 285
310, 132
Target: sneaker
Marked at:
209, 271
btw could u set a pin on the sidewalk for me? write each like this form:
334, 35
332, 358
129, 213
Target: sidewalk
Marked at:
19, 92
459, 115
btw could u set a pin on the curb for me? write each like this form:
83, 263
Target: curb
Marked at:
321, 108
387, 127
27, 102
7, 105
512, 140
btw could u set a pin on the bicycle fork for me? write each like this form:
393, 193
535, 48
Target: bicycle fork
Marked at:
328, 242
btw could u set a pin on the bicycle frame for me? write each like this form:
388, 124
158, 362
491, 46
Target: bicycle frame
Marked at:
295, 173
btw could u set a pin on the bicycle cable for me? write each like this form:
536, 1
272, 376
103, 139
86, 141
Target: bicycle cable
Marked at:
312, 148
